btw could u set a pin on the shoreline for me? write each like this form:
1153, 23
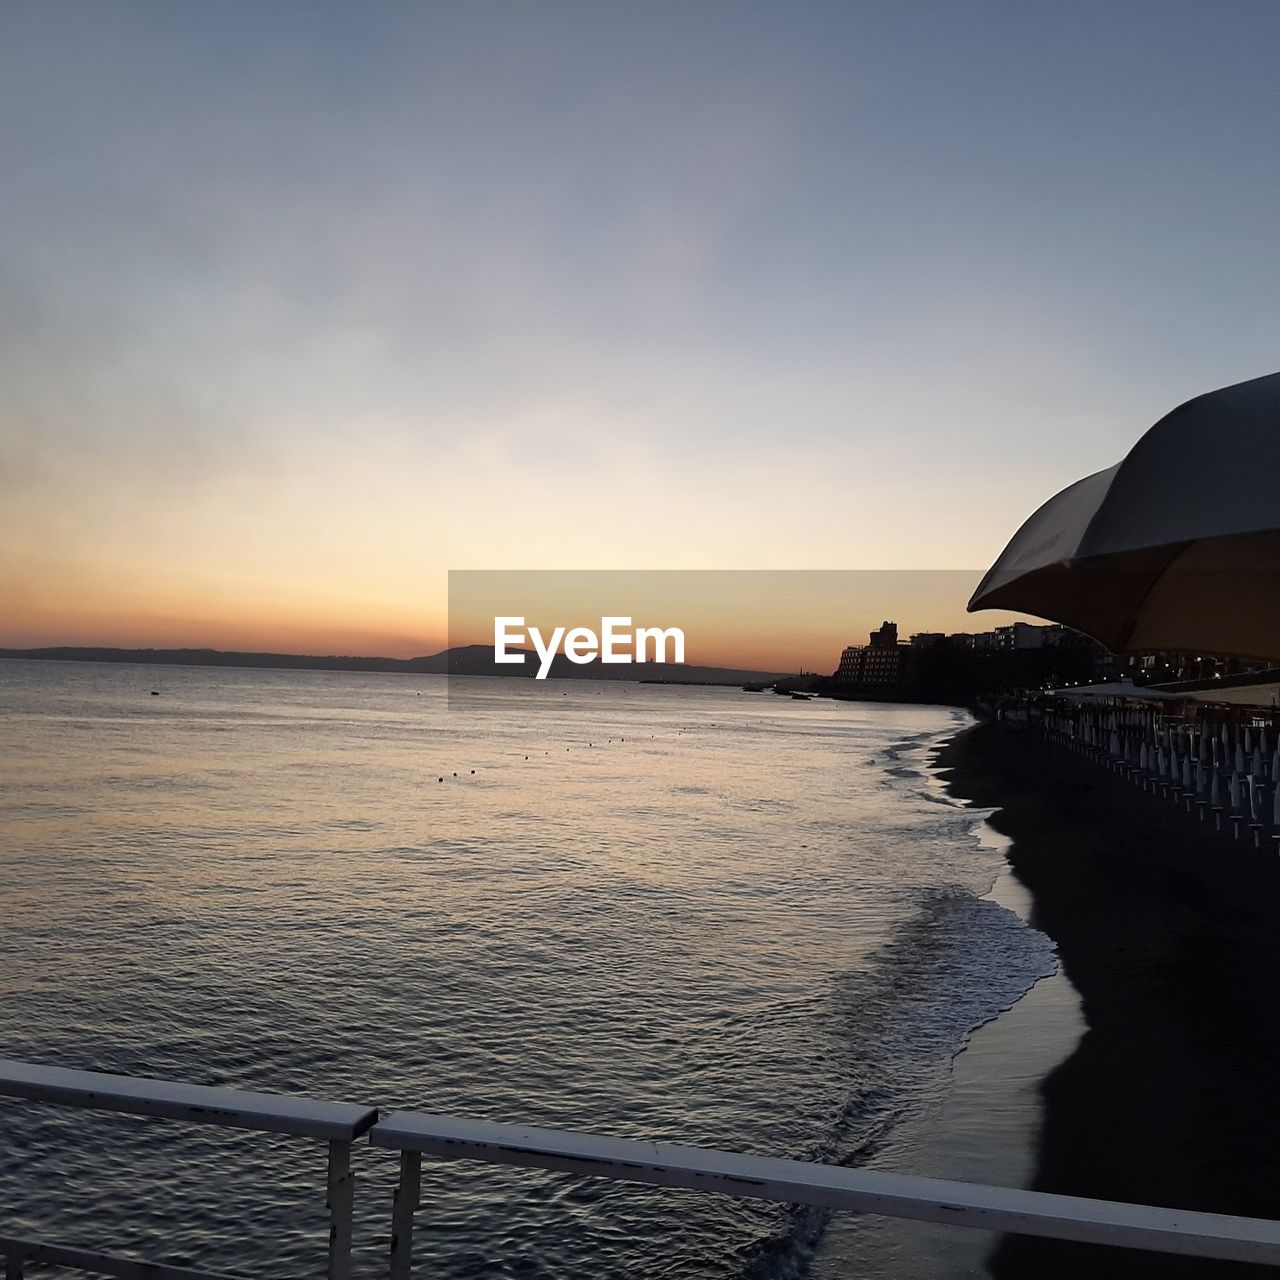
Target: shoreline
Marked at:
984, 1129
1168, 933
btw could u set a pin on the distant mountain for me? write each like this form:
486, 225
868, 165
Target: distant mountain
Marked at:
207, 658
465, 660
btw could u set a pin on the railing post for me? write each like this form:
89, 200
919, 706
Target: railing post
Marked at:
406, 1201
341, 1196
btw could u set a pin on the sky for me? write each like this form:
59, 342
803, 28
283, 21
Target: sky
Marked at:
304, 305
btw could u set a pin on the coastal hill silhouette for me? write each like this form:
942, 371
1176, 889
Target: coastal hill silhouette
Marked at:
462, 660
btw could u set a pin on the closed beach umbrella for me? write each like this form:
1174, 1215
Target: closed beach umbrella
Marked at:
1256, 769
1175, 547
1215, 791
1233, 790
1202, 779
1240, 758
1275, 808
1186, 772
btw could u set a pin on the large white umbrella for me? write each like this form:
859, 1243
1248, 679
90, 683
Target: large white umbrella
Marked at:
1175, 548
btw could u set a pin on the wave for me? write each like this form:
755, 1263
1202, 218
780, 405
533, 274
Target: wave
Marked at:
958, 962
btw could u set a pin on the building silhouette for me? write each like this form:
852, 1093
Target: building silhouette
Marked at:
879, 664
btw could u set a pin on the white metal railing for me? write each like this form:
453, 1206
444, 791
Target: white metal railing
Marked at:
337, 1123
1208, 1235
414, 1136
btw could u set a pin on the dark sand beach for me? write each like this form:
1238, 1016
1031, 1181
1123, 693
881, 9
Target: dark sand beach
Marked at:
1169, 933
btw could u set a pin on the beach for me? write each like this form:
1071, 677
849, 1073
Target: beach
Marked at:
1166, 930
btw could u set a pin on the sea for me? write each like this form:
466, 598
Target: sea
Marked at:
686, 914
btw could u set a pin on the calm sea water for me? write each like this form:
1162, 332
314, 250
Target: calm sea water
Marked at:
695, 915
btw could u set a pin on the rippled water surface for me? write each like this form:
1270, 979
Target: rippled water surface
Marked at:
697, 915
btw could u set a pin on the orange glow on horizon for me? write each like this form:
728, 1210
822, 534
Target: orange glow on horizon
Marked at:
810, 649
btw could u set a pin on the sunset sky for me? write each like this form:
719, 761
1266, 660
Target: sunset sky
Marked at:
302, 306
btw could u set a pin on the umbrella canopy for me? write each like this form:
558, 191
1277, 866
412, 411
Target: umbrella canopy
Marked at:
1175, 548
